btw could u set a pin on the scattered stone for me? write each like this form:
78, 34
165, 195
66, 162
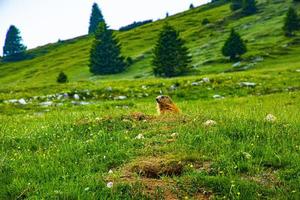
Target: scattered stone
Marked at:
258, 59
22, 101
195, 83
65, 95
109, 89
217, 96
46, 104
210, 123
174, 135
13, 101
76, 97
270, 118
120, 98
110, 184
247, 84
237, 64
206, 80
139, 137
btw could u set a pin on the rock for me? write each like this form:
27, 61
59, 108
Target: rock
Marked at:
217, 96
173, 87
195, 83
59, 96
270, 118
247, 84
110, 184
174, 135
76, 97
110, 171
84, 103
65, 95
237, 64
206, 80
120, 98
22, 101
46, 103
139, 137
210, 123
13, 101
258, 59
109, 89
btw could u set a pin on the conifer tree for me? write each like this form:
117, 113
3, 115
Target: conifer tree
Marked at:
171, 57
62, 78
249, 7
95, 19
105, 56
192, 6
234, 46
291, 22
13, 48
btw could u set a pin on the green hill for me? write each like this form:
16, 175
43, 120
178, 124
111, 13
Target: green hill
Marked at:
100, 137
262, 31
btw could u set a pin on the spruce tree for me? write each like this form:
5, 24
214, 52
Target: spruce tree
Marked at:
95, 19
171, 57
234, 46
192, 6
105, 56
62, 78
236, 4
291, 22
13, 48
249, 7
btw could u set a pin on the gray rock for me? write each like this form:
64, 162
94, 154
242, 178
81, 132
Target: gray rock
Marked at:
206, 80
247, 84
22, 101
120, 98
195, 83
46, 103
76, 97
217, 96
237, 64
258, 59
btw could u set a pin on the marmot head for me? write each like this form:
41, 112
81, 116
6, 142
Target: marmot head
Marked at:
162, 99
165, 104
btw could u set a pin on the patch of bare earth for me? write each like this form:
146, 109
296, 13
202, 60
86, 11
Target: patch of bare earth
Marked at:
157, 174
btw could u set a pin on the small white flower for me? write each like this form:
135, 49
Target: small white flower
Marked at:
270, 118
110, 184
139, 137
209, 123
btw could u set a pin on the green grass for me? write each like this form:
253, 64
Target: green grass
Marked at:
65, 151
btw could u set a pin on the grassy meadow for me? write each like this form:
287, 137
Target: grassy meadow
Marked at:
100, 137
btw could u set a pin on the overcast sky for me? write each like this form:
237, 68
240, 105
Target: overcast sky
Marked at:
45, 21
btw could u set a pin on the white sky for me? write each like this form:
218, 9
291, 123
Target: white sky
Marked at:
45, 21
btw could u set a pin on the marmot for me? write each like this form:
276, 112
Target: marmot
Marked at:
166, 105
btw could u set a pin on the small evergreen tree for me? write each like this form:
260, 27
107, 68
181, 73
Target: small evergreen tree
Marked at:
171, 57
249, 7
192, 6
291, 22
234, 46
95, 19
105, 56
62, 78
236, 4
13, 48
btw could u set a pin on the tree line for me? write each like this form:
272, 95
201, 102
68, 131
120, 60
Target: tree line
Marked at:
171, 57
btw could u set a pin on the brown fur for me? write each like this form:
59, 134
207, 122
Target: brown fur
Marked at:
166, 105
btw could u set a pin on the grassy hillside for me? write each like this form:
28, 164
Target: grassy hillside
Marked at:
99, 137
263, 33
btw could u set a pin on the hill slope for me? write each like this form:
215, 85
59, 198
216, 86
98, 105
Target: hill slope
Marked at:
263, 33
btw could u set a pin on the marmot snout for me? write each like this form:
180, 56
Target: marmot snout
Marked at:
166, 105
